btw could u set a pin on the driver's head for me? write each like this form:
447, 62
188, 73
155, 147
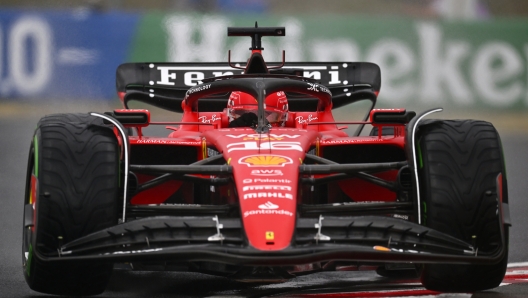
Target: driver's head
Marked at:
275, 106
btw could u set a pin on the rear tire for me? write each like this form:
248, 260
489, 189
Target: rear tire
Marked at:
459, 164
74, 161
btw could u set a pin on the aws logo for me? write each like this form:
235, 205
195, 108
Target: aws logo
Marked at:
265, 160
267, 173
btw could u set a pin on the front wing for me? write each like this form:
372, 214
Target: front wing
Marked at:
207, 238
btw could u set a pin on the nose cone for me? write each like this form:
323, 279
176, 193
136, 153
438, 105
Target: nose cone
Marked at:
267, 191
266, 174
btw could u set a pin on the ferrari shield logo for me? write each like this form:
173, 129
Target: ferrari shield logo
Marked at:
265, 160
270, 236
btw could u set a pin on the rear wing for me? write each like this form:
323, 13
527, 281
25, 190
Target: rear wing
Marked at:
165, 84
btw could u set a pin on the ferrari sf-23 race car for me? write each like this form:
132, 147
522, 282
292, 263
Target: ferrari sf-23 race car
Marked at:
258, 181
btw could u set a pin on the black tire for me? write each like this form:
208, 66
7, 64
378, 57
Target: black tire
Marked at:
408, 272
461, 160
75, 160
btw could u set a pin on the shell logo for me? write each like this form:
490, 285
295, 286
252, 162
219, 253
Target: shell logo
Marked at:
265, 160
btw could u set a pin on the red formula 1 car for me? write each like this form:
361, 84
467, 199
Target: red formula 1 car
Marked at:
259, 182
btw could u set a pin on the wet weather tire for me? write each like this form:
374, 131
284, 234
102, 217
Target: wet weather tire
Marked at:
460, 162
74, 162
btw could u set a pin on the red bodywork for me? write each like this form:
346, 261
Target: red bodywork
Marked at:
265, 168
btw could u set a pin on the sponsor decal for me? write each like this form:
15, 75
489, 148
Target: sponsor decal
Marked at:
324, 89
165, 75
278, 195
126, 111
301, 120
265, 160
246, 146
278, 129
147, 141
158, 141
191, 77
351, 141
197, 143
256, 137
204, 119
266, 173
265, 180
313, 87
198, 89
270, 235
267, 212
268, 205
317, 88
266, 187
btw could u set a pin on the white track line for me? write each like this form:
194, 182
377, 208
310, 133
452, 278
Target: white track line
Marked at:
519, 264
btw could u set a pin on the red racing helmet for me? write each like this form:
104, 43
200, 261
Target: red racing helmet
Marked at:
275, 106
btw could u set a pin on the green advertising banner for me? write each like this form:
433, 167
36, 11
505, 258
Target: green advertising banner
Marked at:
468, 64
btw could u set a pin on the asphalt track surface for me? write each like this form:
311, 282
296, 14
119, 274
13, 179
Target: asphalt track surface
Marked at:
16, 129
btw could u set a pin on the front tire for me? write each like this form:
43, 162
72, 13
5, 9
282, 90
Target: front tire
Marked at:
459, 164
72, 186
